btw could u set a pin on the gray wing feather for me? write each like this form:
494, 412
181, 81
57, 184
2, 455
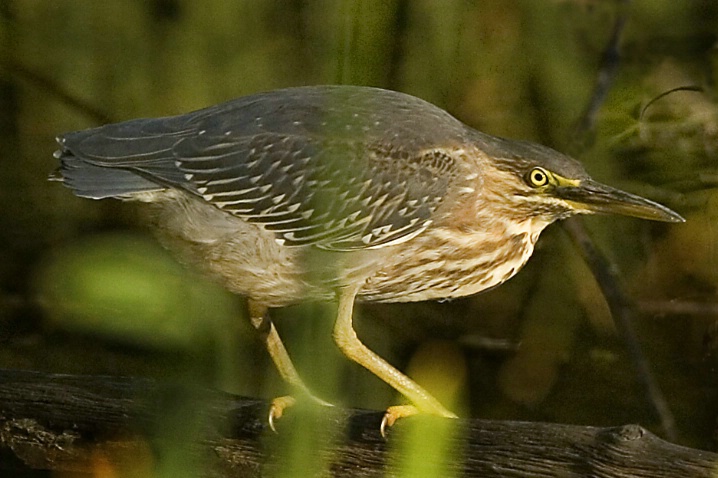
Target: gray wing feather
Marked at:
318, 173
123, 158
335, 194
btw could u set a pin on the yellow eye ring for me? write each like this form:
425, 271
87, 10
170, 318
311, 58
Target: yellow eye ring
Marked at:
537, 177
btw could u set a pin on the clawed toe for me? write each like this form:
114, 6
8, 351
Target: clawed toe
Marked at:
396, 412
280, 404
277, 407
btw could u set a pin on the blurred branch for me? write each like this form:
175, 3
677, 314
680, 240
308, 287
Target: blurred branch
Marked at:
607, 72
398, 45
623, 316
77, 423
56, 89
603, 271
692, 88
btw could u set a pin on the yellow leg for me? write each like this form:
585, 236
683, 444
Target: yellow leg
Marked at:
348, 342
269, 335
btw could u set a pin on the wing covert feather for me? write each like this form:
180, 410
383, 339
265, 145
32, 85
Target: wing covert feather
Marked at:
338, 195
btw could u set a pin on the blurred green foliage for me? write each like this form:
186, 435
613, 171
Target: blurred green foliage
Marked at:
81, 280
129, 289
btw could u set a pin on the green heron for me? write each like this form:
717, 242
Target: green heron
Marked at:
340, 193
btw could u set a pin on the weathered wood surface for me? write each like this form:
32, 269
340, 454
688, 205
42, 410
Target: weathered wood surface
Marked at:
65, 422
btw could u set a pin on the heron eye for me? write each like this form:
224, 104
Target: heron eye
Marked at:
537, 178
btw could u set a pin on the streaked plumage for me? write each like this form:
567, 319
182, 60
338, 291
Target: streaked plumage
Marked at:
317, 192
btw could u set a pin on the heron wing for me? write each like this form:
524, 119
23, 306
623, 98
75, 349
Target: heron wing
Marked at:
341, 168
338, 195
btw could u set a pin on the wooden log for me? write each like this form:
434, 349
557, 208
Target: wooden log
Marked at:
78, 423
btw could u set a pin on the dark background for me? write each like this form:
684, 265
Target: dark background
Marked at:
85, 289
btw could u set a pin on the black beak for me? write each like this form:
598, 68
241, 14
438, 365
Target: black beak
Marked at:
592, 197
